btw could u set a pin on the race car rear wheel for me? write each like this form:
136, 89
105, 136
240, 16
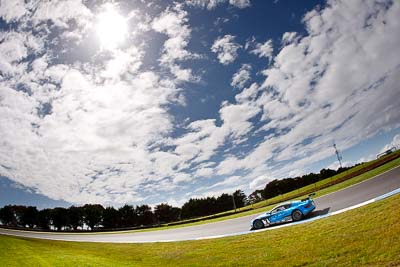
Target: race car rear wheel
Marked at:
258, 224
297, 215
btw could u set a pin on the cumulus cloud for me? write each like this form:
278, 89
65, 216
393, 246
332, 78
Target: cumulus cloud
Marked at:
323, 87
263, 49
174, 23
289, 37
242, 76
87, 131
89, 147
395, 143
211, 4
336, 165
259, 182
236, 118
226, 49
233, 180
200, 143
240, 3
62, 12
121, 62
13, 10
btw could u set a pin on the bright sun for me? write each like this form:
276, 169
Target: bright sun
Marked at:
111, 28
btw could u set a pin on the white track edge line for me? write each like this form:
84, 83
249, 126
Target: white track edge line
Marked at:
373, 177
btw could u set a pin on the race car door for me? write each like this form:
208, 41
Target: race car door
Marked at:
279, 213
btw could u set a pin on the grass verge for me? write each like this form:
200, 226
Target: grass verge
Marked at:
367, 236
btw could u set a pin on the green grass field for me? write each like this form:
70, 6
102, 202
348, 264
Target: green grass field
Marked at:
367, 236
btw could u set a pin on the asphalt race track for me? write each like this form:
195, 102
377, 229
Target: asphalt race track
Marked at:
347, 197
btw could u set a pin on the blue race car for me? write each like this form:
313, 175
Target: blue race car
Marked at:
285, 212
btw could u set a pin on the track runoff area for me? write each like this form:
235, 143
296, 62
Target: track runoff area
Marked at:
374, 189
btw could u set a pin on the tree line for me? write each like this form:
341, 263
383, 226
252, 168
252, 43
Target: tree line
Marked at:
95, 216
197, 207
277, 187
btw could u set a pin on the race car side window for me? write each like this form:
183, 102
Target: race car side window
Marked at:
279, 208
274, 210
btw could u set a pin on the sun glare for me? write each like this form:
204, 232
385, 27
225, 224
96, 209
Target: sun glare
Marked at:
111, 28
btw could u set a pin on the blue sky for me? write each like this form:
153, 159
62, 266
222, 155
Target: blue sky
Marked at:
118, 102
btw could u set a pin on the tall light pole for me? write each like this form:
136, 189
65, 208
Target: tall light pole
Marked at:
339, 157
233, 200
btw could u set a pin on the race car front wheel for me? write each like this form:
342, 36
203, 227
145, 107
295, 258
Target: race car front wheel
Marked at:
258, 224
297, 215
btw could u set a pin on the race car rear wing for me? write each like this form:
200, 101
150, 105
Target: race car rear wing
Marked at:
309, 197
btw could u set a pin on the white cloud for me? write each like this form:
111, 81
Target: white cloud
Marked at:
240, 3
242, 76
209, 192
226, 49
289, 37
248, 94
204, 172
259, 182
236, 118
62, 12
308, 98
230, 181
90, 131
336, 165
366, 158
325, 87
395, 143
204, 138
127, 61
264, 50
93, 140
12, 10
85, 134
174, 23
211, 4
12, 51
